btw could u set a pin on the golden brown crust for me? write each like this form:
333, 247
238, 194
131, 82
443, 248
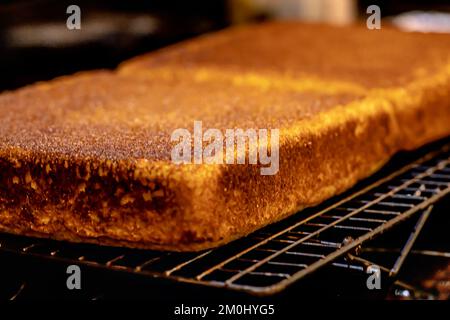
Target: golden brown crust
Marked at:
87, 157
368, 58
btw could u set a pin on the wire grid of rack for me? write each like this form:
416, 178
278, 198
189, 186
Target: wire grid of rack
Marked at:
400, 250
270, 259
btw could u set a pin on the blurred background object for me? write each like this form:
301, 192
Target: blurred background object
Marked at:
329, 11
35, 43
423, 21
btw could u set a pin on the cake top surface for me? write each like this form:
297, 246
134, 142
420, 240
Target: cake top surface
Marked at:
370, 58
265, 76
102, 114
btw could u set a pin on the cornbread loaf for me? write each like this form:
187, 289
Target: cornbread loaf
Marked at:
87, 158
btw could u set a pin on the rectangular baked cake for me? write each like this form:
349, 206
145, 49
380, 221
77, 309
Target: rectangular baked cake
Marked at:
88, 157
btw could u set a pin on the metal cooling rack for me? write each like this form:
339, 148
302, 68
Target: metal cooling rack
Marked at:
355, 261
271, 259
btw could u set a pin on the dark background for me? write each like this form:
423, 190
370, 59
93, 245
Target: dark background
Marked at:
35, 45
